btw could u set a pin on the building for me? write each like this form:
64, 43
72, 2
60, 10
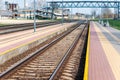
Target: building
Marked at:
10, 11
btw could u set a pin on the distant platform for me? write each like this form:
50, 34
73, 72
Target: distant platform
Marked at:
103, 53
9, 21
17, 43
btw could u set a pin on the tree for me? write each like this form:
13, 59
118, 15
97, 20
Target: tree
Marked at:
106, 13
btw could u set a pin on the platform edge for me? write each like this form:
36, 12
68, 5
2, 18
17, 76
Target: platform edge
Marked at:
85, 77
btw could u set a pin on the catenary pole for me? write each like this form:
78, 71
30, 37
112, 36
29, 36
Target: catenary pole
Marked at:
34, 17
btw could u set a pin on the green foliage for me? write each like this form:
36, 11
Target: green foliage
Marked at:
2, 24
115, 23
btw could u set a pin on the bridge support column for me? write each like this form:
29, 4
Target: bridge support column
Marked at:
47, 10
52, 13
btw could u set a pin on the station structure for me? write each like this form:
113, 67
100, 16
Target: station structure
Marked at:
102, 59
85, 4
103, 47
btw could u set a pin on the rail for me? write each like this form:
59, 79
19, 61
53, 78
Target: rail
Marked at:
67, 55
36, 52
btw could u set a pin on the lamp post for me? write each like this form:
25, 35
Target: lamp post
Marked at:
34, 17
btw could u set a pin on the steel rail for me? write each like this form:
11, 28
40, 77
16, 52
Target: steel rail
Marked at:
29, 24
66, 56
39, 51
23, 27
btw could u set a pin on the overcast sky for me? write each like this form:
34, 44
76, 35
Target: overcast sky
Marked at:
74, 10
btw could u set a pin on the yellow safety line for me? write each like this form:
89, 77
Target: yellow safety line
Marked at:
87, 57
42, 37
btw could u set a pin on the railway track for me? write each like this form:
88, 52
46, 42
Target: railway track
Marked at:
68, 69
21, 27
45, 61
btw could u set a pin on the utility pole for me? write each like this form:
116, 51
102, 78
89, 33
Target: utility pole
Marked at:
24, 8
101, 13
101, 20
107, 14
62, 13
34, 17
116, 11
71, 15
52, 9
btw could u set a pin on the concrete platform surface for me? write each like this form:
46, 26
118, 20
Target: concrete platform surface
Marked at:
103, 55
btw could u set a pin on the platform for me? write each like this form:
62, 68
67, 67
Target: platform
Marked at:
16, 43
103, 53
9, 21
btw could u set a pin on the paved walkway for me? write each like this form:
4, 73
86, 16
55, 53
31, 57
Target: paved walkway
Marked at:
113, 35
104, 57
